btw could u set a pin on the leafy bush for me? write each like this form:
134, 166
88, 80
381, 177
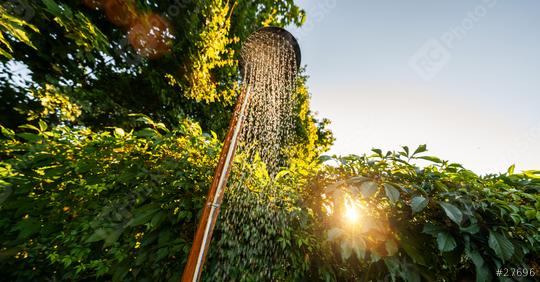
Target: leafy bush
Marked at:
78, 204
437, 223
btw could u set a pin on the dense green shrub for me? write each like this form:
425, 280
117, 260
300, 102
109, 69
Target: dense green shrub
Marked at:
79, 204
440, 222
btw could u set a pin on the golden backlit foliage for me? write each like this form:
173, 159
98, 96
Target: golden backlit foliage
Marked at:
54, 104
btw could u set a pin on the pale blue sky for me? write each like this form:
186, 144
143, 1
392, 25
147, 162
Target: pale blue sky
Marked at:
461, 76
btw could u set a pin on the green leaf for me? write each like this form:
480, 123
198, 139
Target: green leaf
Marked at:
143, 215
52, 7
412, 249
162, 127
109, 235
42, 125
357, 179
391, 192
377, 151
482, 271
501, 245
119, 132
472, 229
143, 119
99, 234
420, 149
27, 228
368, 188
418, 203
324, 158
446, 242
475, 256
406, 150
7, 132
432, 229
530, 214
5, 54
30, 137
147, 133
29, 126
511, 169
452, 212
431, 159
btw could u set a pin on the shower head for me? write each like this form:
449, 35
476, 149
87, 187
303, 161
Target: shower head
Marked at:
267, 37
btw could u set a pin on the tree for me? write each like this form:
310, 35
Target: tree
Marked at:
102, 57
108, 144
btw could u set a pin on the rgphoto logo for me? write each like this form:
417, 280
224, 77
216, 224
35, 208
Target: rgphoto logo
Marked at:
430, 59
434, 55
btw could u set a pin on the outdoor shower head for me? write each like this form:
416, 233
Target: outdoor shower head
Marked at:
266, 38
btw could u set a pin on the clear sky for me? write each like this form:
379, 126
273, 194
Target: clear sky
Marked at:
461, 76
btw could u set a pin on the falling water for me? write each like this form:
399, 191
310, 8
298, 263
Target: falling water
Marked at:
251, 221
269, 72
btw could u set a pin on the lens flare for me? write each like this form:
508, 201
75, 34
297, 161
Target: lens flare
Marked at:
151, 36
352, 211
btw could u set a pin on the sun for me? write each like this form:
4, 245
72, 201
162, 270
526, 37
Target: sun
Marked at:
352, 212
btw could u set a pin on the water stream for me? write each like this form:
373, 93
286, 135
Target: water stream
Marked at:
252, 216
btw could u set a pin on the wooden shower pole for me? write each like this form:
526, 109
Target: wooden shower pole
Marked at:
201, 242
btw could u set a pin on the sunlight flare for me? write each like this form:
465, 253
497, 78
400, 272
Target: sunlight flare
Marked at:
352, 211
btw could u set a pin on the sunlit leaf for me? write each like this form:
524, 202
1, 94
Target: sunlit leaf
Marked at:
119, 132
7, 132
42, 125
346, 250
29, 126
511, 169
334, 233
391, 192
359, 247
368, 188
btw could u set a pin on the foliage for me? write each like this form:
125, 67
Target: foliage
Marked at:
440, 222
91, 190
262, 222
78, 204
55, 106
108, 147
84, 46
14, 27
212, 54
